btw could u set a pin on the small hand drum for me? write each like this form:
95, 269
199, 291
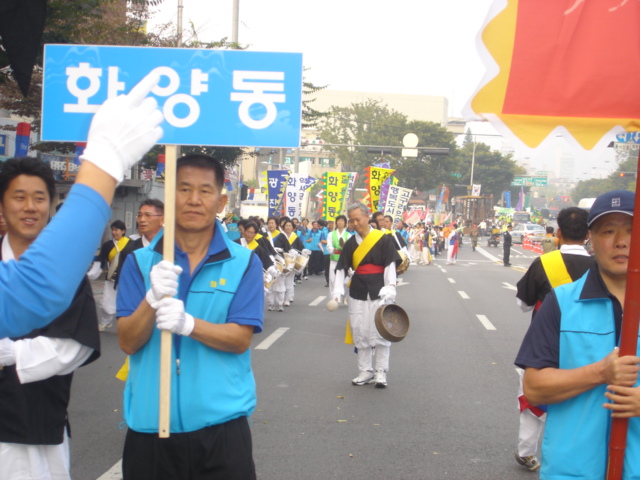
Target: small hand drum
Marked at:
392, 322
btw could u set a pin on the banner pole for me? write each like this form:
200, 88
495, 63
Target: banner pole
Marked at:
628, 341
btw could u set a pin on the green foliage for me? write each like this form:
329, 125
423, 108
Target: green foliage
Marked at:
372, 123
491, 169
595, 186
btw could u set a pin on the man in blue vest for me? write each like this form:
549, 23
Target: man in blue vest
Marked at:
566, 265
213, 390
571, 360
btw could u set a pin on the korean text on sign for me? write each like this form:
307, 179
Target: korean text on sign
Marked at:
208, 97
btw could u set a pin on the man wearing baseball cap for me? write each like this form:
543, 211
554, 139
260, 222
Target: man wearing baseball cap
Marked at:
570, 355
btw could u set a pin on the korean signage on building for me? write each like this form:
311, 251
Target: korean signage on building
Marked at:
208, 97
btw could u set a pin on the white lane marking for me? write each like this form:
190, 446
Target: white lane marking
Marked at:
485, 322
317, 301
451, 280
508, 286
463, 295
114, 473
402, 284
488, 255
443, 270
271, 339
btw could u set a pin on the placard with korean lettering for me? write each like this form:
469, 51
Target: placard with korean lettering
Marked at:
276, 181
335, 185
297, 186
397, 201
374, 178
208, 97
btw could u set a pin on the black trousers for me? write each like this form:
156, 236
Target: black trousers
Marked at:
327, 267
507, 253
218, 452
315, 262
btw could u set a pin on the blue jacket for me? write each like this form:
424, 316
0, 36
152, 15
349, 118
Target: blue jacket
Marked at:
577, 430
212, 387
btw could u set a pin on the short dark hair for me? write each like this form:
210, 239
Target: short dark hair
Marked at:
243, 223
206, 162
572, 223
549, 229
251, 225
119, 224
155, 203
14, 167
341, 217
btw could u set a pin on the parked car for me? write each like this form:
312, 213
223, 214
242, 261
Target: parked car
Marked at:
532, 230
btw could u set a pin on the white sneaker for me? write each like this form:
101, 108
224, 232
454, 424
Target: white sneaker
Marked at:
102, 328
281, 308
286, 303
364, 378
270, 308
381, 378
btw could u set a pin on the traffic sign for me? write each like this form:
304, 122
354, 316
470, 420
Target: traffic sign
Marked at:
628, 137
529, 181
208, 97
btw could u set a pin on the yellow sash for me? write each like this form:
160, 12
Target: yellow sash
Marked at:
258, 236
120, 245
292, 238
555, 268
253, 245
275, 233
367, 244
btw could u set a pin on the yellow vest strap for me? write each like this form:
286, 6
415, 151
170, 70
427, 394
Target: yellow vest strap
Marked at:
555, 268
367, 244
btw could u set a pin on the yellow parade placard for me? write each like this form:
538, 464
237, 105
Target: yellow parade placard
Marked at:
374, 178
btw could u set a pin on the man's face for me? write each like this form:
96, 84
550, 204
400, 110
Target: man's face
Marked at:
610, 241
314, 225
388, 223
198, 199
360, 221
271, 225
25, 207
150, 221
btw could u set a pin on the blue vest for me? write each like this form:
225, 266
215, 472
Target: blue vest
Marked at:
213, 387
576, 435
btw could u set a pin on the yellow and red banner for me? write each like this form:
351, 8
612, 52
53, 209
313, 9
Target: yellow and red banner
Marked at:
373, 179
563, 65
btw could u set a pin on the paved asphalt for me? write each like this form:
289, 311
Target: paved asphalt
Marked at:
449, 412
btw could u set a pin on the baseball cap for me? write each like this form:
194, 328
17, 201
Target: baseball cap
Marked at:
615, 201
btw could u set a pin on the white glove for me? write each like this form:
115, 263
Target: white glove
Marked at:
7, 352
306, 252
95, 271
387, 294
123, 129
273, 271
278, 249
164, 282
171, 316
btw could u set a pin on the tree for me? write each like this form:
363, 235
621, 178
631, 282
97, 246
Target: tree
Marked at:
491, 169
351, 129
595, 186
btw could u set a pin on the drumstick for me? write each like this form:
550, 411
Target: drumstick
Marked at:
164, 421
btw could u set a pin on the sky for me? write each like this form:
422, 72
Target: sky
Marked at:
424, 47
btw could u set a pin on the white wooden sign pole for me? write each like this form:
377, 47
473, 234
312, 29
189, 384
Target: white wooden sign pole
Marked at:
168, 254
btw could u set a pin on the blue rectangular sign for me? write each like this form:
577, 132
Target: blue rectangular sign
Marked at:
3, 144
208, 97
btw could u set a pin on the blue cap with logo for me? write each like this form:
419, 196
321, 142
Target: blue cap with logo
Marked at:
615, 201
